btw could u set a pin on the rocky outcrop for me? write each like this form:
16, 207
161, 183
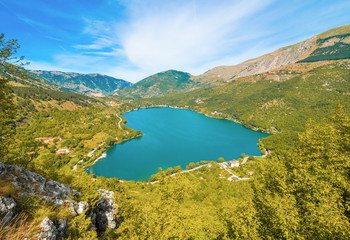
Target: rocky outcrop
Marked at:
36, 184
103, 215
52, 230
7, 209
78, 208
279, 58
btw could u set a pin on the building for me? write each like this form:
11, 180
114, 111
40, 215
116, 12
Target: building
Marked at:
250, 173
233, 163
45, 139
209, 165
62, 151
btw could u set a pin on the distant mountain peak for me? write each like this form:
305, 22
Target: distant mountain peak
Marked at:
92, 84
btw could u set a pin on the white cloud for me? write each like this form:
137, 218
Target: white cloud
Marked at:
168, 35
160, 35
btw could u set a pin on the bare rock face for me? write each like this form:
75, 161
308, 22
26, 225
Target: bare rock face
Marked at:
52, 230
34, 183
48, 230
103, 215
82, 206
78, 208
7, 209
279, 58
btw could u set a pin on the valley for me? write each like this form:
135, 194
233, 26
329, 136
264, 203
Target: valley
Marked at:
58, 125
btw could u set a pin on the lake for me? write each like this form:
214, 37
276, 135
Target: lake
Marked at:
175, 137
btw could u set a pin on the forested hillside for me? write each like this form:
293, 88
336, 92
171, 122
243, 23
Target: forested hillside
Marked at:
276, 101
160, 84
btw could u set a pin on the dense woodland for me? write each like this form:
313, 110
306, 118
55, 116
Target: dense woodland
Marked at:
300, 191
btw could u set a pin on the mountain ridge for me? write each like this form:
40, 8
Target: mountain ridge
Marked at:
93, 84
283, 56
159, 84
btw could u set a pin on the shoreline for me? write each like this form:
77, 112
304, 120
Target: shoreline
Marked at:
208, 115
104, 154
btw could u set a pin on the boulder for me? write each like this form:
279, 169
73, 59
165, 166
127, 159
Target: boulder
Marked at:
82, 206
103, 215
48, 230
7, 209
52, 230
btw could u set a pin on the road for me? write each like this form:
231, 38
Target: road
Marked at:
120, 121
222, 166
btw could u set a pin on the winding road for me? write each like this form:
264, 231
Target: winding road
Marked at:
120, 120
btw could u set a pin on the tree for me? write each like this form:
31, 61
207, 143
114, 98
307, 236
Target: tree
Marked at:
221, 159
9, 65
304, 193
192, 165
177, 169
169, 171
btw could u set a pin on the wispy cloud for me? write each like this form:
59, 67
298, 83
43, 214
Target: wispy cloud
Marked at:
169, 35
132, 39
98, 44
160, 35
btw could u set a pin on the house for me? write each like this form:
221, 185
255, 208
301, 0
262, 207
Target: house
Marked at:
108, 116
233, 163
250, 173
209, 165
62, 151
45, 139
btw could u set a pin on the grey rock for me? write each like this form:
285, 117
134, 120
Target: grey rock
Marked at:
82, 206
103, 215
52, 230
34, 183
48, 230
61, 227
77, 208
7, 209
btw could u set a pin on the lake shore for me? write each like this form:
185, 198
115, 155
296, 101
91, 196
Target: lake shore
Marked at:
213, 114
185, 123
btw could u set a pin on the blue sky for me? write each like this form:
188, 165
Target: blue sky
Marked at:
132, 39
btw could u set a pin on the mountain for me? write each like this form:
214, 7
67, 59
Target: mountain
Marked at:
94, 84
160, 84
330, 45
333, 44
280, 100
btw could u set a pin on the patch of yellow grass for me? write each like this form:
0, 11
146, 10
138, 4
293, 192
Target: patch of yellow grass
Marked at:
335, 31
6, 188
97, 139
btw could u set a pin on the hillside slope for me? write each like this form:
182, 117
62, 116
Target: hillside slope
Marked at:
280, 100
94, 84
159, 84
330, 45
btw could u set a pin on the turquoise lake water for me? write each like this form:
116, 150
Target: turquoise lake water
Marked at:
175, 137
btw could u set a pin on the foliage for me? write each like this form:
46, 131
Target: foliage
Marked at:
267, 105
87, 84
337, 51
160, 84
305, 193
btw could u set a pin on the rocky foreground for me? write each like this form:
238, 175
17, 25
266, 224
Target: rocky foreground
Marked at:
102, 215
